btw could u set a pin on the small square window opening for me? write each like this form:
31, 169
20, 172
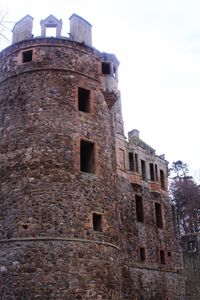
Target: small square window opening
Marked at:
27, 56
169, 254
106, 68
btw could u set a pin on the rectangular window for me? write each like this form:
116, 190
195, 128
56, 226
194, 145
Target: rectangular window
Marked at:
97, 222
162, 257
83, 100
169, 254
87, 157
121, 159
106, 68
156, 171
151, 168
136, 163
139, 208
143, 169
162, 179
27, 56
142, 254
131, 161
158, 211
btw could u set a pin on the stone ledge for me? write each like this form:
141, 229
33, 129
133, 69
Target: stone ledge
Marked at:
49, 69
162, 269
56, 239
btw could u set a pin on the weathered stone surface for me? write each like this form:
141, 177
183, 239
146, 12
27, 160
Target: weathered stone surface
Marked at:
50, 246
54, 270
191, 259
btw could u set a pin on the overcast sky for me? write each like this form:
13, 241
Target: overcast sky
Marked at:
158, 45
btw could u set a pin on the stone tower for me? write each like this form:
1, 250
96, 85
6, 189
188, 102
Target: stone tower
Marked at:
80, 215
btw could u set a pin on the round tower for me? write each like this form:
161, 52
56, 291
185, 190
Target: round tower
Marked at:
58, 211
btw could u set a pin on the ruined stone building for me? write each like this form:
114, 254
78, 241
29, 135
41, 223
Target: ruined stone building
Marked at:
84, 213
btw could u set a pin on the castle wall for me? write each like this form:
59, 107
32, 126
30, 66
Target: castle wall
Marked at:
58, 270
191, 260
44, 194
80, 218
151, 278
192, 275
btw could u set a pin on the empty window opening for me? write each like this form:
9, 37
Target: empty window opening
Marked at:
27, 56
83, 100
121, 159
169, 254
143, 169
162, 179
142, 254
106, 68
131, 161
24, 226
97, 222
136, 163
139, 208
156, 172
162, 257
51, 31
87, 157
159, 219
151, 168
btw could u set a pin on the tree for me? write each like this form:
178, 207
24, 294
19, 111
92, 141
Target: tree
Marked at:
179, 168
185, 196
4, 26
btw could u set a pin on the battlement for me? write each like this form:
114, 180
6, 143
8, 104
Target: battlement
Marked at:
80, 29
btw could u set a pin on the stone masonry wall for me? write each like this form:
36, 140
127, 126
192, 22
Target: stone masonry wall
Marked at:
192, 275
49, 246
56, 270
148, 279
43, 193
191, 260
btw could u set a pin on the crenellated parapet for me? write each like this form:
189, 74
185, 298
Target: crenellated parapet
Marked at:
80, 29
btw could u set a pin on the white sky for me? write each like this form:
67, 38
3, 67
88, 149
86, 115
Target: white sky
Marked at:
158, 45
